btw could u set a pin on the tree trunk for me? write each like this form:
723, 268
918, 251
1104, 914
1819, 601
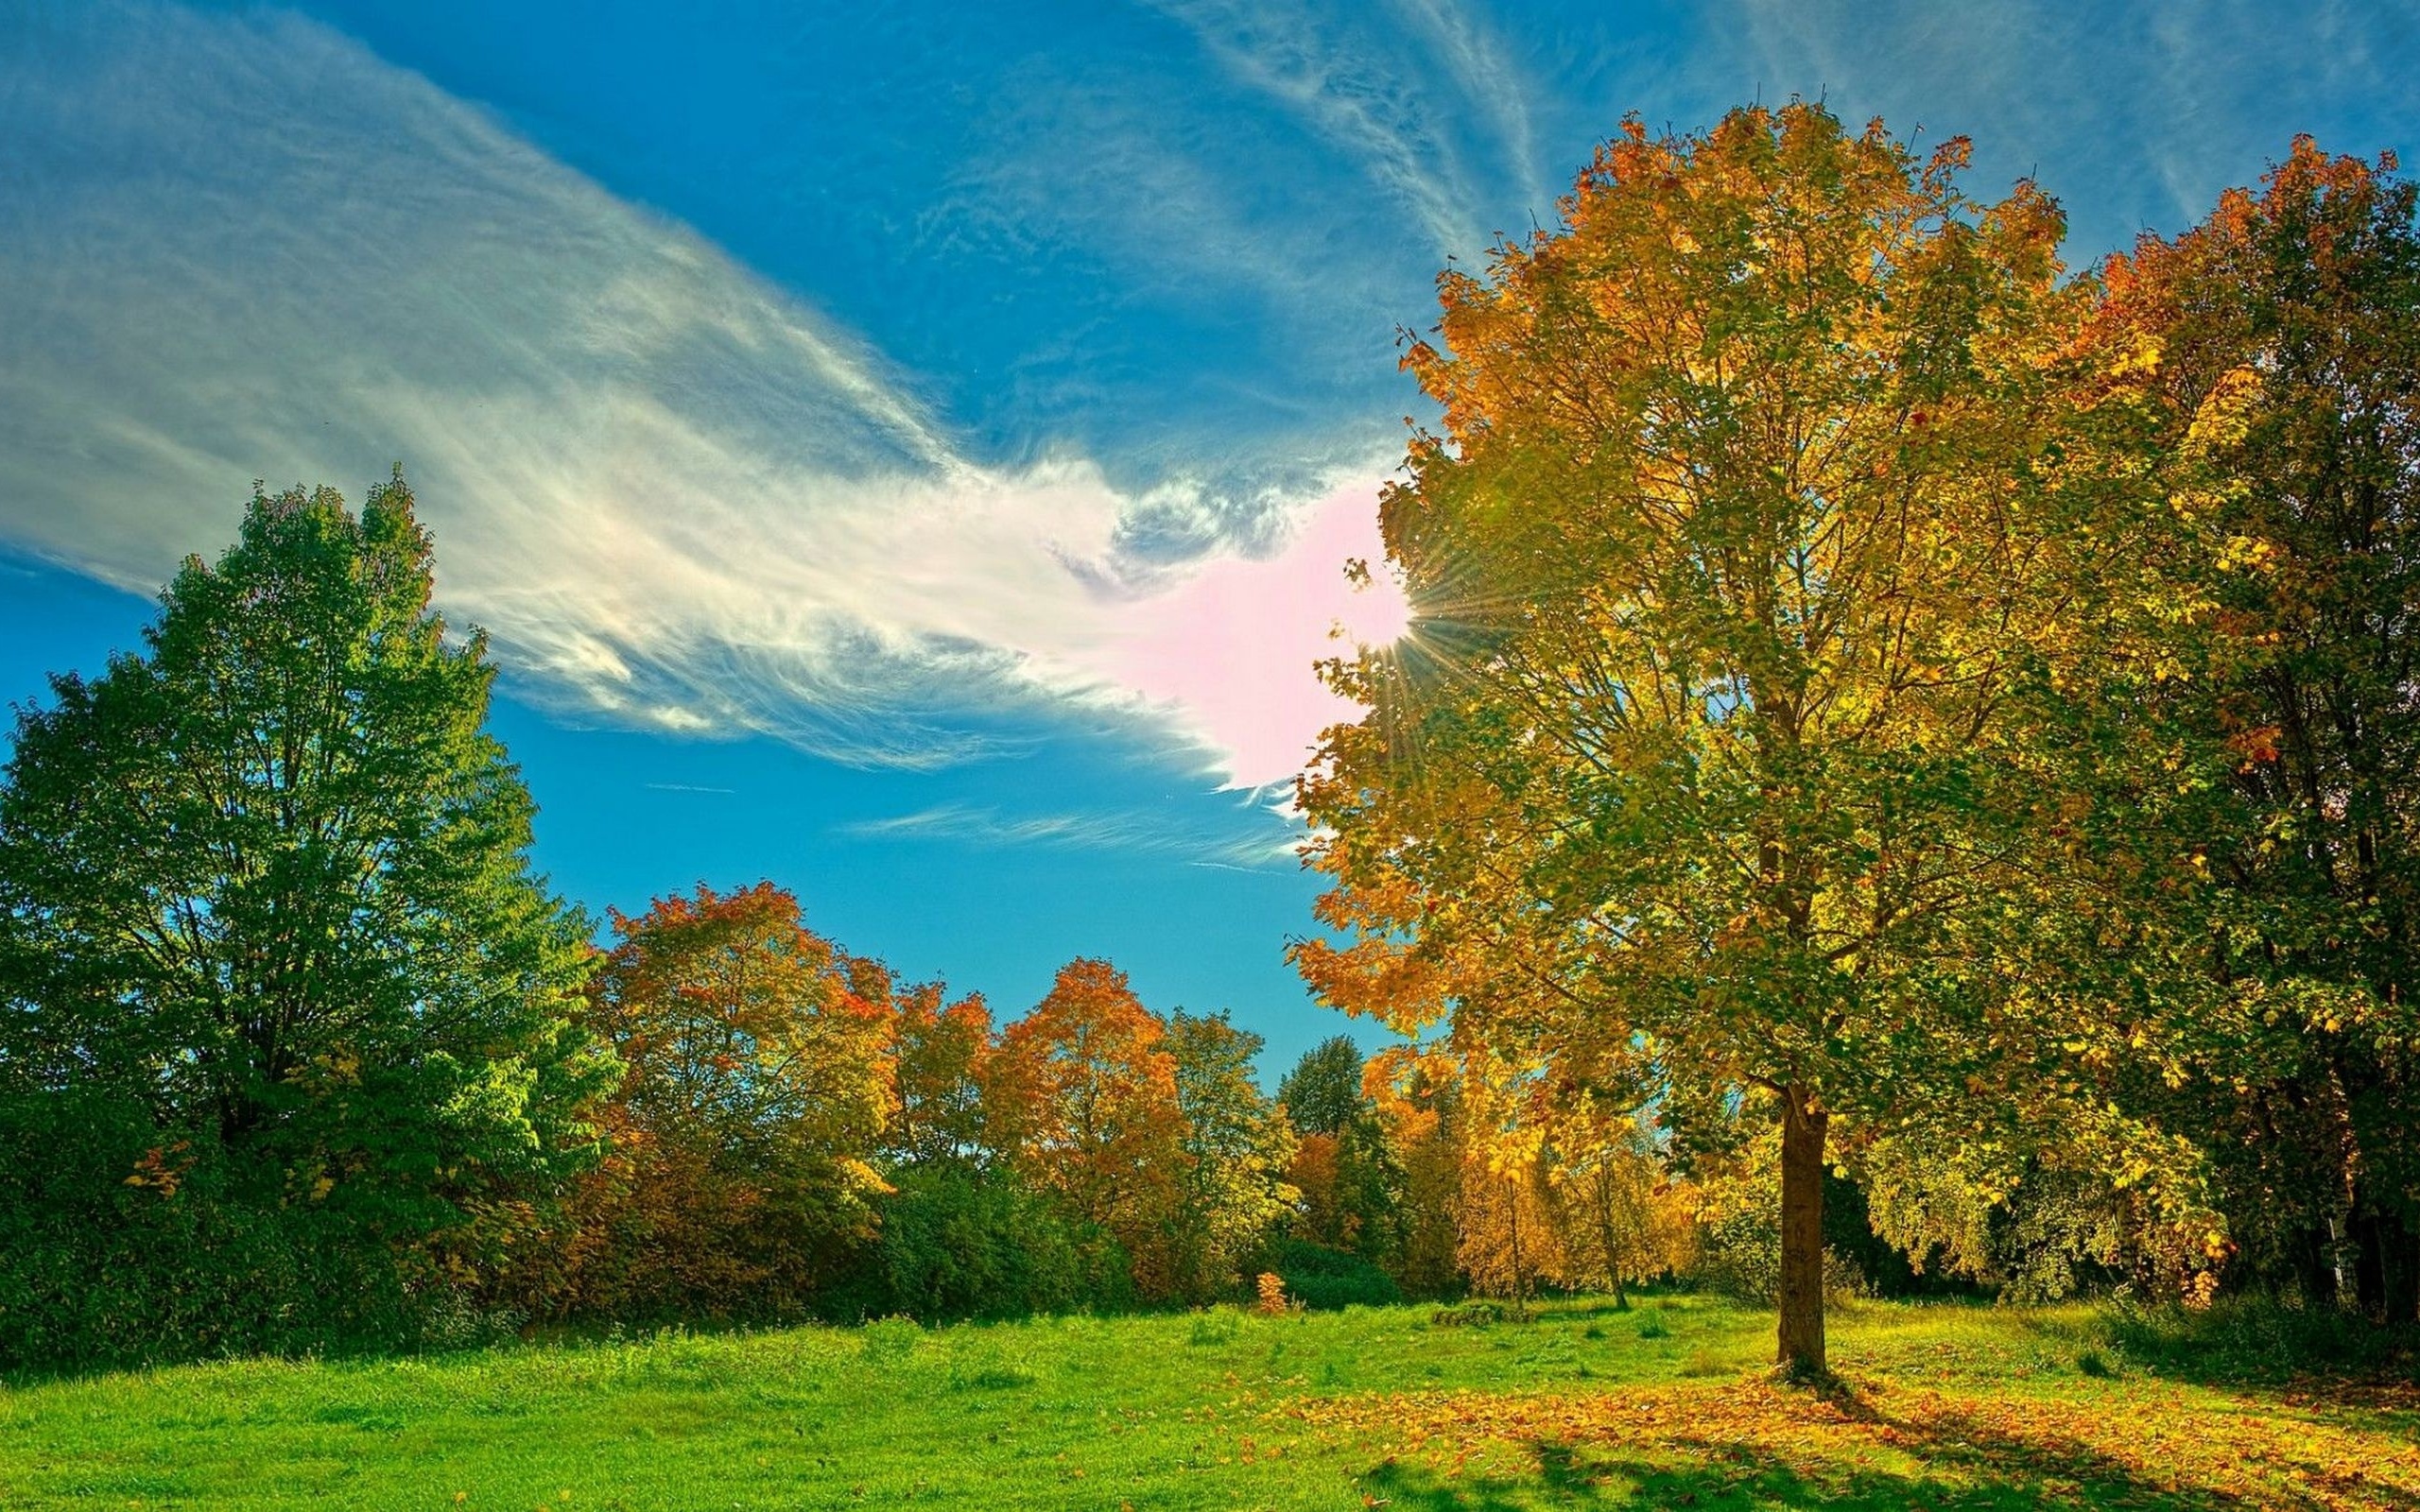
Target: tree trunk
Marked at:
1801, 1234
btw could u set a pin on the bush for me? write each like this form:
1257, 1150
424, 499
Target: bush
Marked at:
958, 1246
98, 1271
1321, 1278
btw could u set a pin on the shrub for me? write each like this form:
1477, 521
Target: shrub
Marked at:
960, 1246
1321, 1278
186, 1261
2260, 1338
889, 1340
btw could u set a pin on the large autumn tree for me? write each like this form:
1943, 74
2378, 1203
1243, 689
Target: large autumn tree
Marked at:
1739, 605
266, 896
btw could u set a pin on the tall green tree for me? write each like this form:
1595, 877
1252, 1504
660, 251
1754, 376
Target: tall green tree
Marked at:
265, 889
1741, 597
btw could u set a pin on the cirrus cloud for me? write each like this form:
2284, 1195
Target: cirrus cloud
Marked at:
675, 494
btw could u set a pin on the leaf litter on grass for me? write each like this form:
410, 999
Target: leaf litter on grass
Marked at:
2154, 1447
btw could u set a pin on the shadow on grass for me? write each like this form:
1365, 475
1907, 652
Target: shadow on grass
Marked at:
1962, 1463
1742, 1479
2257, 1342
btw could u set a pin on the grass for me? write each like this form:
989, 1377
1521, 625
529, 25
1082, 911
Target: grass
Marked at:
1576, 1406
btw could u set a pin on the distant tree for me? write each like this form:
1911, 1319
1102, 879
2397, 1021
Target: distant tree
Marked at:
1621, 1214
2277, 348
751, 1113
938, 1053
1416, 1101
1343, 1168
1082, 1096
1322, 1093
264, 888
1237, 1145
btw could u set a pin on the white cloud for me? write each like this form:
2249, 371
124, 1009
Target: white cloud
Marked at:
243, 246
1147, 834
1342, 82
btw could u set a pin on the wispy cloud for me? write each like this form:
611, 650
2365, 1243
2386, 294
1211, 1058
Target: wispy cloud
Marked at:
239, 246
2138, 116
1490, 81
1346, 76
1137, 833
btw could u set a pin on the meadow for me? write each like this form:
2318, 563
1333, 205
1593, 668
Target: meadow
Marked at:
1668, 1403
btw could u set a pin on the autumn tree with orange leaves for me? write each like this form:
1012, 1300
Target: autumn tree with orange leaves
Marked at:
1082, 1098
1744, 590
754, 1104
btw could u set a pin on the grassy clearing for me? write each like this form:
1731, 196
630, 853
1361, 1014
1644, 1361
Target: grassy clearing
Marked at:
1666, 1405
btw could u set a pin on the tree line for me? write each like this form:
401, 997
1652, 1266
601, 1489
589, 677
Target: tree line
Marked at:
298, 1053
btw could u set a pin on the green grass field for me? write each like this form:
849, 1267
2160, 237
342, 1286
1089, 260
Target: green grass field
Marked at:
1668, 1404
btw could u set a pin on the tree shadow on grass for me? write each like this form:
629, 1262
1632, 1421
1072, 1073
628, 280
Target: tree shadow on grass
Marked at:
2300, 1354
1742, 1479
1964, 1464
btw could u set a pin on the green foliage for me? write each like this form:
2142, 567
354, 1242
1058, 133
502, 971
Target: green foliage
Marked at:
1322, 1093
1319, 1277
887, 1341
1232, 1196
265, 889
2275, 350
954, 1244
2260, 1339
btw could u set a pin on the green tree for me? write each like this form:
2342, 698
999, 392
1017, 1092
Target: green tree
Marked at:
1741, 609
264, 885
1232, 1192
1322, 1093
1344, 1175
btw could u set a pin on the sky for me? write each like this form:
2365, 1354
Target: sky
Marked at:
910, 450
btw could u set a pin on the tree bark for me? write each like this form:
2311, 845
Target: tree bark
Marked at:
1801, 1234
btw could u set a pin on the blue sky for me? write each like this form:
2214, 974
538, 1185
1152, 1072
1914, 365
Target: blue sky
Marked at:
907, 451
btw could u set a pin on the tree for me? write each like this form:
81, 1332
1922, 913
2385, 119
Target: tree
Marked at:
268, 881
937, 1058
1322, 1093
1623, 1218
2277, 347
756, 1094
1741, 609
1237, 1145
1343, 1170
1082, 1093
1416, 1101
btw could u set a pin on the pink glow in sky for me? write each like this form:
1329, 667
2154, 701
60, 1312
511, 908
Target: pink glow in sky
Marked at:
1232, 647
